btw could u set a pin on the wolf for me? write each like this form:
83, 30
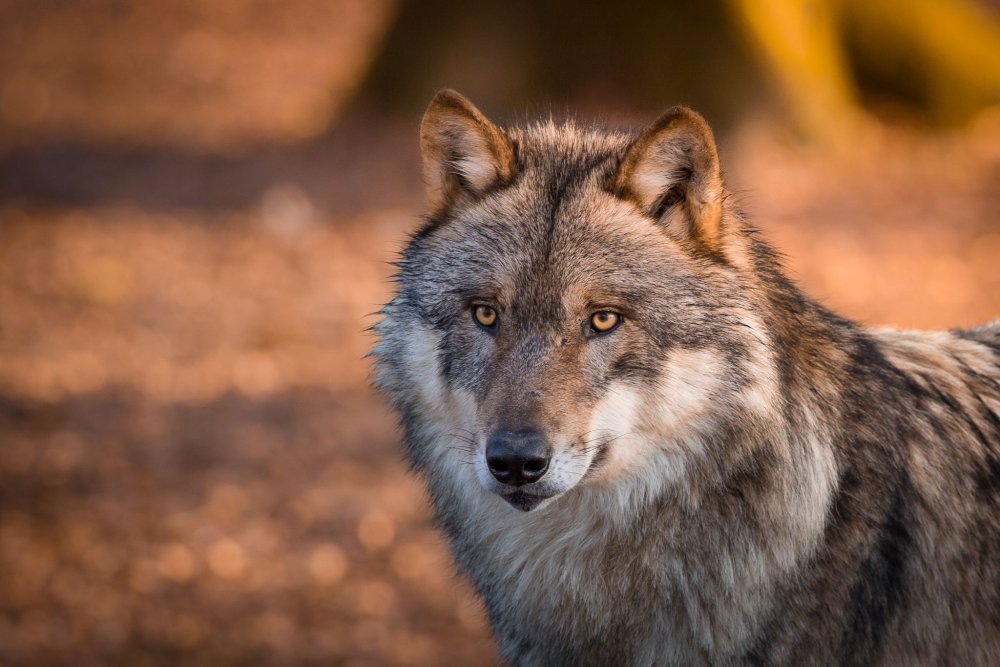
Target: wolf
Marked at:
646, 446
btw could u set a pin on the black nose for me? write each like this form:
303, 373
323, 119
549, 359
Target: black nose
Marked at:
517, 458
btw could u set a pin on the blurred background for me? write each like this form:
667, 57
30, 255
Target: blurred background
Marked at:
197, 203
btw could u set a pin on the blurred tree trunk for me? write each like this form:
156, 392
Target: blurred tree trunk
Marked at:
827, 59
798, 41
638, 57
940, 56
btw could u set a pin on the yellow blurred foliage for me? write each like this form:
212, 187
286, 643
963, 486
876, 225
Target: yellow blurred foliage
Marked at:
947, 52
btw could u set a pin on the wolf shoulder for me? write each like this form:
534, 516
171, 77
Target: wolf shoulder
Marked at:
948, 390
958, 361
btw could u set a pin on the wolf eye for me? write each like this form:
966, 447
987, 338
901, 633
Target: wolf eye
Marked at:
485, 316
604, 321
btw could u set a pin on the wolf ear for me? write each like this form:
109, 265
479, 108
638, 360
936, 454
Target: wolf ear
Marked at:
672, 172
463, 151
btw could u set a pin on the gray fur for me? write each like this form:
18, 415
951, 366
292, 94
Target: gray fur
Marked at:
740, 477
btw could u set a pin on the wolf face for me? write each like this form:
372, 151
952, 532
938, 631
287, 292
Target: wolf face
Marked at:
567, 285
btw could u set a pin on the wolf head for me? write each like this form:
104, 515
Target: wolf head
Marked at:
575, 309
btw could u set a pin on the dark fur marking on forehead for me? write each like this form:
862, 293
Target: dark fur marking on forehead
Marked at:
572, 173
559, 172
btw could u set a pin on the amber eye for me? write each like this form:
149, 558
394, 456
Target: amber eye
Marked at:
485, 316
604, 321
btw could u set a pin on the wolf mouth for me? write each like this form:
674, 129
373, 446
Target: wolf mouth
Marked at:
524, 501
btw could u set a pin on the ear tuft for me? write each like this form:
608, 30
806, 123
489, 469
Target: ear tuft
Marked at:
463, 152
672, 172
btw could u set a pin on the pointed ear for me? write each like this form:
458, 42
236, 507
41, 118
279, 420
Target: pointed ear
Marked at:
672, 172
463, 152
